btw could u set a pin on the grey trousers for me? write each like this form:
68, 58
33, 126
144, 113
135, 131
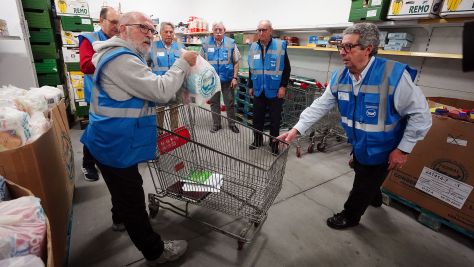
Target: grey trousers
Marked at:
228, 94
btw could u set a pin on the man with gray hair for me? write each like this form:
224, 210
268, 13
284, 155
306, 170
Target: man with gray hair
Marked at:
163, 54
222, 53
382, 111
122, 128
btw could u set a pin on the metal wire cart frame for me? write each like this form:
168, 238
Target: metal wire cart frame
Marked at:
217, 171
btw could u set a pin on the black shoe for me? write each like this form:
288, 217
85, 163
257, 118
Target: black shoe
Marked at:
90, 174
254, 145
215, 128
377, 201
340, 221
234, 129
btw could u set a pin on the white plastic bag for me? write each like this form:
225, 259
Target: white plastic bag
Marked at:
22, 227
52, 94
14, 128
202, 82
22, 261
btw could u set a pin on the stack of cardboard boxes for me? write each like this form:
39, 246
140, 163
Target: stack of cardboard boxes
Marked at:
414, 9
46, 167
75, 20
399, 41
457, 8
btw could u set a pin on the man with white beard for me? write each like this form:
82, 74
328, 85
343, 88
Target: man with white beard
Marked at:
122, 126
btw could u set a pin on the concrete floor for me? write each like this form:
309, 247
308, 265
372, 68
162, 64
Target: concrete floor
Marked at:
294, 234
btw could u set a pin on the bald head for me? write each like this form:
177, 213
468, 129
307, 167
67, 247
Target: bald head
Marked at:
264, 31
137, 29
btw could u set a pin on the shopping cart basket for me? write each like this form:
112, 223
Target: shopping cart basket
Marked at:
217, 171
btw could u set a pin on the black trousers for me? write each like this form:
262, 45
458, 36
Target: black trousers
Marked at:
88, 160
367, 182
275, 107
128, 207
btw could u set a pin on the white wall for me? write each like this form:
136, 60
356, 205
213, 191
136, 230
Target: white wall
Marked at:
174, 11
16, 65
242, 14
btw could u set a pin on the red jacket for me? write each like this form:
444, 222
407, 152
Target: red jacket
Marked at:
86, 51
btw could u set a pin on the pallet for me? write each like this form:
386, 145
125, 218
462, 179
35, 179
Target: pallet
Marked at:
425, 217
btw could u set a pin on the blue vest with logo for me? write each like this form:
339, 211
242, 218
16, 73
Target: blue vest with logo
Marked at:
162, 58
221, 57
370, 120
91, 37
267, 70
120, 133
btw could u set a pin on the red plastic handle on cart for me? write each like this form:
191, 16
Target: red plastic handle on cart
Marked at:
168, 142
304, 86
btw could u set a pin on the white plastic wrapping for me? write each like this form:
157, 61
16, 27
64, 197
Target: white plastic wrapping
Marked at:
202, 82
52, 94
14, 128
22, 261
22, 227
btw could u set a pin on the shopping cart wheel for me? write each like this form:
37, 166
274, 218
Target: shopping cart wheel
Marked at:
321, 147
298, 152
153, 210
311, 148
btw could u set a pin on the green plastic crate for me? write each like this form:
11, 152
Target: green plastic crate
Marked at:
82, 111
41, 19
36, 4
52, 79
77, 24
74, 66
44, 51
44, 66
41, 36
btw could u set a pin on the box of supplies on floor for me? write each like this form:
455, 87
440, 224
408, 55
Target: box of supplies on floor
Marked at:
439, 174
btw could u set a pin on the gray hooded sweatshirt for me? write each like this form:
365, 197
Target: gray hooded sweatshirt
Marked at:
126, 76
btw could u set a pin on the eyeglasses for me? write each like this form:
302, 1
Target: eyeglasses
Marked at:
115, 22
262, 30
143, 28
347, 47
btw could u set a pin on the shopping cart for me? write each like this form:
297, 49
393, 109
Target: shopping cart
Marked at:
217, 171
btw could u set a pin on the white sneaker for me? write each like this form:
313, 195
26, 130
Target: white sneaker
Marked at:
173, 250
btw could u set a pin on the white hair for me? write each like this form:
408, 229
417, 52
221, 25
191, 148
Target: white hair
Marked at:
265, 21
215, 24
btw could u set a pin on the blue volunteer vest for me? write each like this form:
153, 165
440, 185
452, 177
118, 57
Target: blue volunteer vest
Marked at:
120, 133
162, 58
267, 70
221, 57
91, 37
370, 120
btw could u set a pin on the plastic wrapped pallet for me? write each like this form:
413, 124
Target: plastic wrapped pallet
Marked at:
22, 261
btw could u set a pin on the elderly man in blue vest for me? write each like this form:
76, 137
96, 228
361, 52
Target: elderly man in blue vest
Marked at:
269, 73
108, 27
163, 54
382, 111
222, 53
122, 126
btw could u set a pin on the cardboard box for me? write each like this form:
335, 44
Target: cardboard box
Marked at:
72, 8
372, 10
414, 9
402, 43
70, 39
400, 36
46, 167
71, 55
457, 8
77, 83
439, 173
17, 191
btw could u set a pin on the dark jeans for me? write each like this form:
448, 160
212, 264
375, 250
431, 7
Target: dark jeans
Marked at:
128, 207
367, 182
228, 94
88, 160
275, 107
